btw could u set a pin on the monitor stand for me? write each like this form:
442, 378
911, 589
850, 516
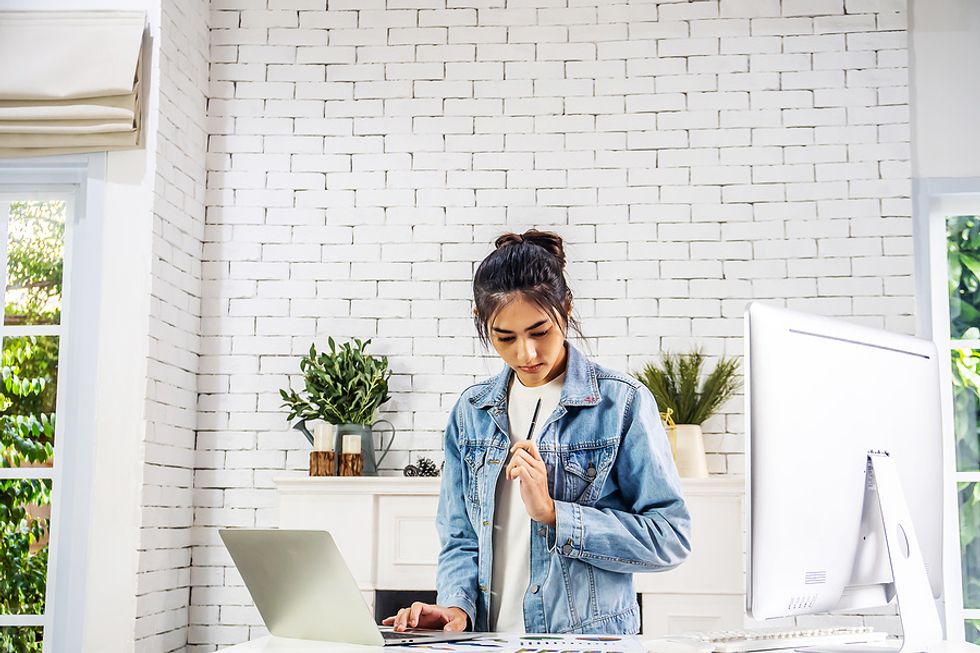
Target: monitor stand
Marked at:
922, 629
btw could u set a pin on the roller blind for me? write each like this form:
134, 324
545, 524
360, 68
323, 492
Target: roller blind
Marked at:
70, 81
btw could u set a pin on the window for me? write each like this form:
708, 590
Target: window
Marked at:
954, 227
41, 209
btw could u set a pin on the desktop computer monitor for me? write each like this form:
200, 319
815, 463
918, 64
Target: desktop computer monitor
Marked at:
820, 395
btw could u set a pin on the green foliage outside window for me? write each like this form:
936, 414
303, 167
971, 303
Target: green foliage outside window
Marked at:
28, 389
963, 260
36, 236
969, 502
20, 639
966, 406
26, 438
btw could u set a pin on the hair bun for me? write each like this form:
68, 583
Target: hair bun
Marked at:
507, 240
547, 240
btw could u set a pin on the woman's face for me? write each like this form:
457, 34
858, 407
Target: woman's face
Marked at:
530, 342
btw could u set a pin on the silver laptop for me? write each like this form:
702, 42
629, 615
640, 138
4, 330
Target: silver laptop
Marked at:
303, 589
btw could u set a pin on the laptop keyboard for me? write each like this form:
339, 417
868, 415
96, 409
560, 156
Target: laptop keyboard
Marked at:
390, 634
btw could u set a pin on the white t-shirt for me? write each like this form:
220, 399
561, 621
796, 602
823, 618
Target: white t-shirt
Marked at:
511, 523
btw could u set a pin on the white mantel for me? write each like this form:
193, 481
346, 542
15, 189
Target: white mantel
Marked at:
357, 485
385, 528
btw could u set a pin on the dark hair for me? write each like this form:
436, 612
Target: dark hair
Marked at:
529, 265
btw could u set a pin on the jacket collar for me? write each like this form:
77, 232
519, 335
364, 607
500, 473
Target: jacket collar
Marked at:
581, 387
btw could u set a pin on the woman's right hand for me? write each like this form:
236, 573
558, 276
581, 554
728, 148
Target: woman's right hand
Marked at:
427, 615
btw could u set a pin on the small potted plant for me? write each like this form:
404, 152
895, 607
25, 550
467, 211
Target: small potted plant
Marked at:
677, 386
345, 387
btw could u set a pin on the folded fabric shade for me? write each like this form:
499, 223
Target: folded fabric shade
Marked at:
70, 81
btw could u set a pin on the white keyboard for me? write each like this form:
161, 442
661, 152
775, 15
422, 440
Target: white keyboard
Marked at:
743, 641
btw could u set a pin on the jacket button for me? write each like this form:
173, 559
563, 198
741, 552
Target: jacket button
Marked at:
486, 523
534, 589
590, 472
542, 531
567, 549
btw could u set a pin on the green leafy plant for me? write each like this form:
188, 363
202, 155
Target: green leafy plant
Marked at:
968, 495
963, 277
966, 405
27, 423
35, 262
676, 385
973, 631
344, 386
966, 393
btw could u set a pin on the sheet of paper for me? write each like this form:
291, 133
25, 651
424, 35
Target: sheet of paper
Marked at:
534, 643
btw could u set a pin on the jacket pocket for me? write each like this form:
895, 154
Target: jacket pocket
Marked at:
586, 467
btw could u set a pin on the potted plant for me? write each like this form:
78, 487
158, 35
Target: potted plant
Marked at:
677, 386
344, 387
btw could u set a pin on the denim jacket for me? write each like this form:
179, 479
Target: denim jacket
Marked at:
617, 498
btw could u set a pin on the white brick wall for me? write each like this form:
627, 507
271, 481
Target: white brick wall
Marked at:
361, 160
164, 574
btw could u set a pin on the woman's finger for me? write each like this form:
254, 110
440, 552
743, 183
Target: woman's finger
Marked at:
536, 461
519, 464
533, 449
400, 619
530, 461
527, 473
529, 446
414, 612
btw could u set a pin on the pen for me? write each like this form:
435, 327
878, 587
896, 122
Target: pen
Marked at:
534, 418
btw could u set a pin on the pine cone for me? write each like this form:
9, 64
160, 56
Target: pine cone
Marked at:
411, 470
426, 467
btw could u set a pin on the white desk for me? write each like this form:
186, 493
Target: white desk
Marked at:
281, 645
270, 644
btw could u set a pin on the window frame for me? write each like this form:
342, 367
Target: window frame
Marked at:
935, 200
68, 194
81, 178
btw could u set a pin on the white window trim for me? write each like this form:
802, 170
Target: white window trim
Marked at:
935, 199
84, 177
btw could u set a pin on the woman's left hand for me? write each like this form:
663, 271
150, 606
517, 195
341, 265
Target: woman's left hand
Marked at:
527, 465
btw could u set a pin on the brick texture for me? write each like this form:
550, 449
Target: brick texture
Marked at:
363, 157
167, 507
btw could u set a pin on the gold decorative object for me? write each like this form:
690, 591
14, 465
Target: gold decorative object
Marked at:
671, 427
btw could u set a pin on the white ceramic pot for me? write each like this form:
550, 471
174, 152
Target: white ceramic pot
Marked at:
690, 457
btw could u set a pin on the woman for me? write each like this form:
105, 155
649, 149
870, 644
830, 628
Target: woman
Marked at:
558, 483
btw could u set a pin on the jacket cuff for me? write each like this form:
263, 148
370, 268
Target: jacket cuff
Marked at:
461, 601
569, 531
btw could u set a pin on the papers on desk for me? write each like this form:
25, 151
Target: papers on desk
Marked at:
533, 643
